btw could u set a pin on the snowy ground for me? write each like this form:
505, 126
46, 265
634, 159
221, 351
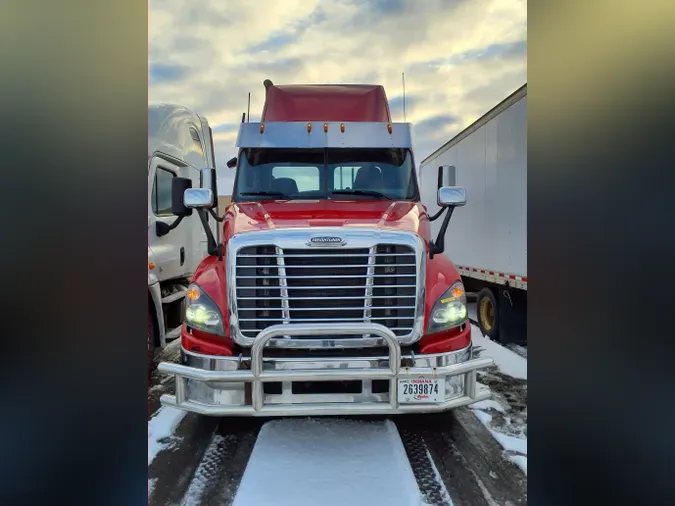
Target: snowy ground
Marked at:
505, 415
407, 461
323, 461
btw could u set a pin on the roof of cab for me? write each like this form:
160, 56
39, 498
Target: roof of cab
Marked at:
169, 132
325, 102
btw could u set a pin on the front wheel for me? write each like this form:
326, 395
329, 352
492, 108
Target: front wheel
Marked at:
488, 317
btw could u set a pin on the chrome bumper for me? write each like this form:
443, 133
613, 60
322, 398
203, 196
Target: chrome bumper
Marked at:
217, 386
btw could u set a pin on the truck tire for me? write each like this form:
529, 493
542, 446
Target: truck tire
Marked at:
151, 345
487, 314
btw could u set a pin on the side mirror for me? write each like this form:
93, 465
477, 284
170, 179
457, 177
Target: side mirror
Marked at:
178, 187
209, 181
232, 163
450, 169
198, 198
451, 196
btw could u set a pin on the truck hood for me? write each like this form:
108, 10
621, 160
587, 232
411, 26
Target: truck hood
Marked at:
381, 214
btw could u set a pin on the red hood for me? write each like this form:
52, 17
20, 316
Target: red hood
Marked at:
381, 214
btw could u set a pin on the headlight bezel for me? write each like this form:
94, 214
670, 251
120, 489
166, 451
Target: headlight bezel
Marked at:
449, 302
208, 306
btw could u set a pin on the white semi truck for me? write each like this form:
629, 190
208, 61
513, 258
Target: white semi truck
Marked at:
180, 155
488, 241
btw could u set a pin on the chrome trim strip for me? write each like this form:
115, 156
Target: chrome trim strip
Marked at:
281, 268
284, 239
232, 363
294, 134
370, 281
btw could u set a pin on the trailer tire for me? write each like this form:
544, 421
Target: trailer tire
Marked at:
487, 314
151, 345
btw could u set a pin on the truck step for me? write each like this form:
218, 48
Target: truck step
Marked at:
180, 294
172, 334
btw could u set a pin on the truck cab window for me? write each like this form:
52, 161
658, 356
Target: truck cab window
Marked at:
299, 179
161, 192
317, 173
293, 172
387, 171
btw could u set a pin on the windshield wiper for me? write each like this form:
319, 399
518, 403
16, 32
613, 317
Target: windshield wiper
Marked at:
266, 194
370, 193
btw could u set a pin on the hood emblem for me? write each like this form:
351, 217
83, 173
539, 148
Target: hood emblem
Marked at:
326, 240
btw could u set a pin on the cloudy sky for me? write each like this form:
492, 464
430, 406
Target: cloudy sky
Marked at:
460, 58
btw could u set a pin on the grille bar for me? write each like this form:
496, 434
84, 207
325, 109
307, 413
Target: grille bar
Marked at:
348, 255
333, 298
318, 287
328, 266
283, 284
317, 319
334, 276
342, 308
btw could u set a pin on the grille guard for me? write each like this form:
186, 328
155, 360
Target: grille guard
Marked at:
473, 391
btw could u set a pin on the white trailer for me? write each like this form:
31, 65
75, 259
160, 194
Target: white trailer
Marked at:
487, 242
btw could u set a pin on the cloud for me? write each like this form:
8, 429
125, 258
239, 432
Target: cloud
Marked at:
160, 72
460, 57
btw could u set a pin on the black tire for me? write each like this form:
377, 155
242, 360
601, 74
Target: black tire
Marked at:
151, 346
487, 314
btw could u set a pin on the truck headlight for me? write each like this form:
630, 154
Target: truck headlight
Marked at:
450, 310
201, 312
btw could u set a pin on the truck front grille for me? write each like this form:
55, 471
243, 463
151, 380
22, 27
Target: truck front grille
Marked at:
275, 286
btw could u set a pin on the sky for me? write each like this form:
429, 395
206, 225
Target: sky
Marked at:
460, 58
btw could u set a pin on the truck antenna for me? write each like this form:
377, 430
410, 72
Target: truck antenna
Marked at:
248, 114
403, 82
243, 117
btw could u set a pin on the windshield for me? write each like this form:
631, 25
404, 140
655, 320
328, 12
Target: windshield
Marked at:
344, 174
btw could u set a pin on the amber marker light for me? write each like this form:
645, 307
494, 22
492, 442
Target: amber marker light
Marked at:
457, 292
192, 294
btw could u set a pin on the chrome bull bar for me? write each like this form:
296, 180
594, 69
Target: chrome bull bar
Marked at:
257, 376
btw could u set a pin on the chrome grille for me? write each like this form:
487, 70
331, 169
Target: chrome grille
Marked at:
275, 286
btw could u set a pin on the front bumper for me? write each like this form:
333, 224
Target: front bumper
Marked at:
233, 386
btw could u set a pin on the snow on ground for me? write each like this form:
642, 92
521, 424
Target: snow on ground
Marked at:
211, 463
160, 430
328, 462
505, 415
444, 491
507, 361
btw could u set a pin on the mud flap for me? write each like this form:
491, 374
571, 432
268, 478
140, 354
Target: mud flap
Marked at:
512, 307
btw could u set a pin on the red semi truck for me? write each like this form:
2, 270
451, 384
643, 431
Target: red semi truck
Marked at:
328, 295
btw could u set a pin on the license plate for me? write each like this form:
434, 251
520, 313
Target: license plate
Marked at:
421, 390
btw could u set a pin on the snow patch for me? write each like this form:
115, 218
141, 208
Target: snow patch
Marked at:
210, 464
328, 462
511, 444
160, 430
483, 417
444, 491
488, 404
507, 361
520, 461
151, 486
